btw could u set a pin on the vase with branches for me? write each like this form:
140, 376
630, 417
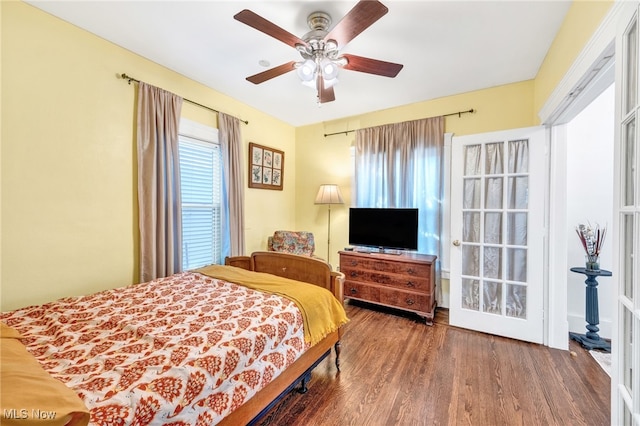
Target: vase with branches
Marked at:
592, 239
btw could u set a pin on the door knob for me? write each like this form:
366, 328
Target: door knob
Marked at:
456, 243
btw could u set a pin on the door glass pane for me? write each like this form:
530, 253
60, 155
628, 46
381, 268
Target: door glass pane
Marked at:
517, 264
516, 301
628, 255
471, 196
470, 260
627, 349
494, 159
493, 262
470, 294
471, 227
517, 229
631, 68
472, 160
519, 156
492, 298
493, 228
518, 192
628, 162
493, 194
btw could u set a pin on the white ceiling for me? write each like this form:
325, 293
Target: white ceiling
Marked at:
447, 47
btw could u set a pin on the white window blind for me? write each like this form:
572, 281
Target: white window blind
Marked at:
201, 188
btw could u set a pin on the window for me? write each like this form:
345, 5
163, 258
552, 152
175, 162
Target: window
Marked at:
409, 175
201, 190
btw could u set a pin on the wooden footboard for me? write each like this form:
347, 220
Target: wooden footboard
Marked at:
300, 268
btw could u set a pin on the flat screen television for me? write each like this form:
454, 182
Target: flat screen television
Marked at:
384, 228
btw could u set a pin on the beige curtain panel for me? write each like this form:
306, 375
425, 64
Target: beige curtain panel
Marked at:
231, 144
159, 200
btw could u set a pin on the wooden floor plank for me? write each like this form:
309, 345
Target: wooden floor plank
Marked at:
398, 371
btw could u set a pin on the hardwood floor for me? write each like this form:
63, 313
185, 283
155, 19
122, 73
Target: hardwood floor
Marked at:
398, 371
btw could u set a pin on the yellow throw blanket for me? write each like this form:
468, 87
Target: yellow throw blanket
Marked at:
28, 394
321, 312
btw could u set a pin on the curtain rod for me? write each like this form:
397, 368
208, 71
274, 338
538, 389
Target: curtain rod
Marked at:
459, 113
130, 79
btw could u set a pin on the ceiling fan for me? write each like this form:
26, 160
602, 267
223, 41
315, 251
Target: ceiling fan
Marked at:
320, 47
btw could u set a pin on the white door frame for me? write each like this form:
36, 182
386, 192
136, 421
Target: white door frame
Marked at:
556, 312
569, 98
590, 74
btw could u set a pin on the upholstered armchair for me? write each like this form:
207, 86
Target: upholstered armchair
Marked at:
293, 242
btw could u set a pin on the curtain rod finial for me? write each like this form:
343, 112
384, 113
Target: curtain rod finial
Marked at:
125, 77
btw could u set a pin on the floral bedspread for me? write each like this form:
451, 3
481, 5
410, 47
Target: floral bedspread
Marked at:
182, 350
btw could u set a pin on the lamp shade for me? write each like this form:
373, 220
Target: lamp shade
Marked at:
307, 70
329, 194
329, 69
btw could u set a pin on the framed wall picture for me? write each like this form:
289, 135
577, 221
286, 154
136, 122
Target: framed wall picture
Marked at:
266, 167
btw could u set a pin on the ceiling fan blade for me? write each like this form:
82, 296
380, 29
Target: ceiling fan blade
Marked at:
361, 17
271, 73
371, 66
269, 28
325, 94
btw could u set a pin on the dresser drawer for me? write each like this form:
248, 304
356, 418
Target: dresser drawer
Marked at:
387, 296
406, 282
361, 291
383, 265
405, 300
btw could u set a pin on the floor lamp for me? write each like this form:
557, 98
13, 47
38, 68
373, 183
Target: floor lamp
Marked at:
329, 194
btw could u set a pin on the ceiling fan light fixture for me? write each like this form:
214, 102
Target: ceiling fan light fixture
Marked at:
329, 69
307, 70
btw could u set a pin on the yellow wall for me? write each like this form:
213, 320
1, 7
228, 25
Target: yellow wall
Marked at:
68, 151
68, 158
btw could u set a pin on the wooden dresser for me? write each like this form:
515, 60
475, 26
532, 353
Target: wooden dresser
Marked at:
405, 281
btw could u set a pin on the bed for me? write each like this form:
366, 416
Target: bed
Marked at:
217, 345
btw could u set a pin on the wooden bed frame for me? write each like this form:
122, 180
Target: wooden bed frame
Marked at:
300, 268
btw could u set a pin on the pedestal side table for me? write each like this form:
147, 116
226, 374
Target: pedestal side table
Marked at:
591, 339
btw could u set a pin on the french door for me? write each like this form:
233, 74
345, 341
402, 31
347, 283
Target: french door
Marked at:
625, 389
497, 233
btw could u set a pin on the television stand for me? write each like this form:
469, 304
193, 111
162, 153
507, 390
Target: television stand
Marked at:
404, 281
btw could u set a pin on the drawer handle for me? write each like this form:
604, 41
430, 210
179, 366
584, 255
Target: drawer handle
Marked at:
410, 271
354, 263
353, 290
410, 284
410, 302
353, 274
